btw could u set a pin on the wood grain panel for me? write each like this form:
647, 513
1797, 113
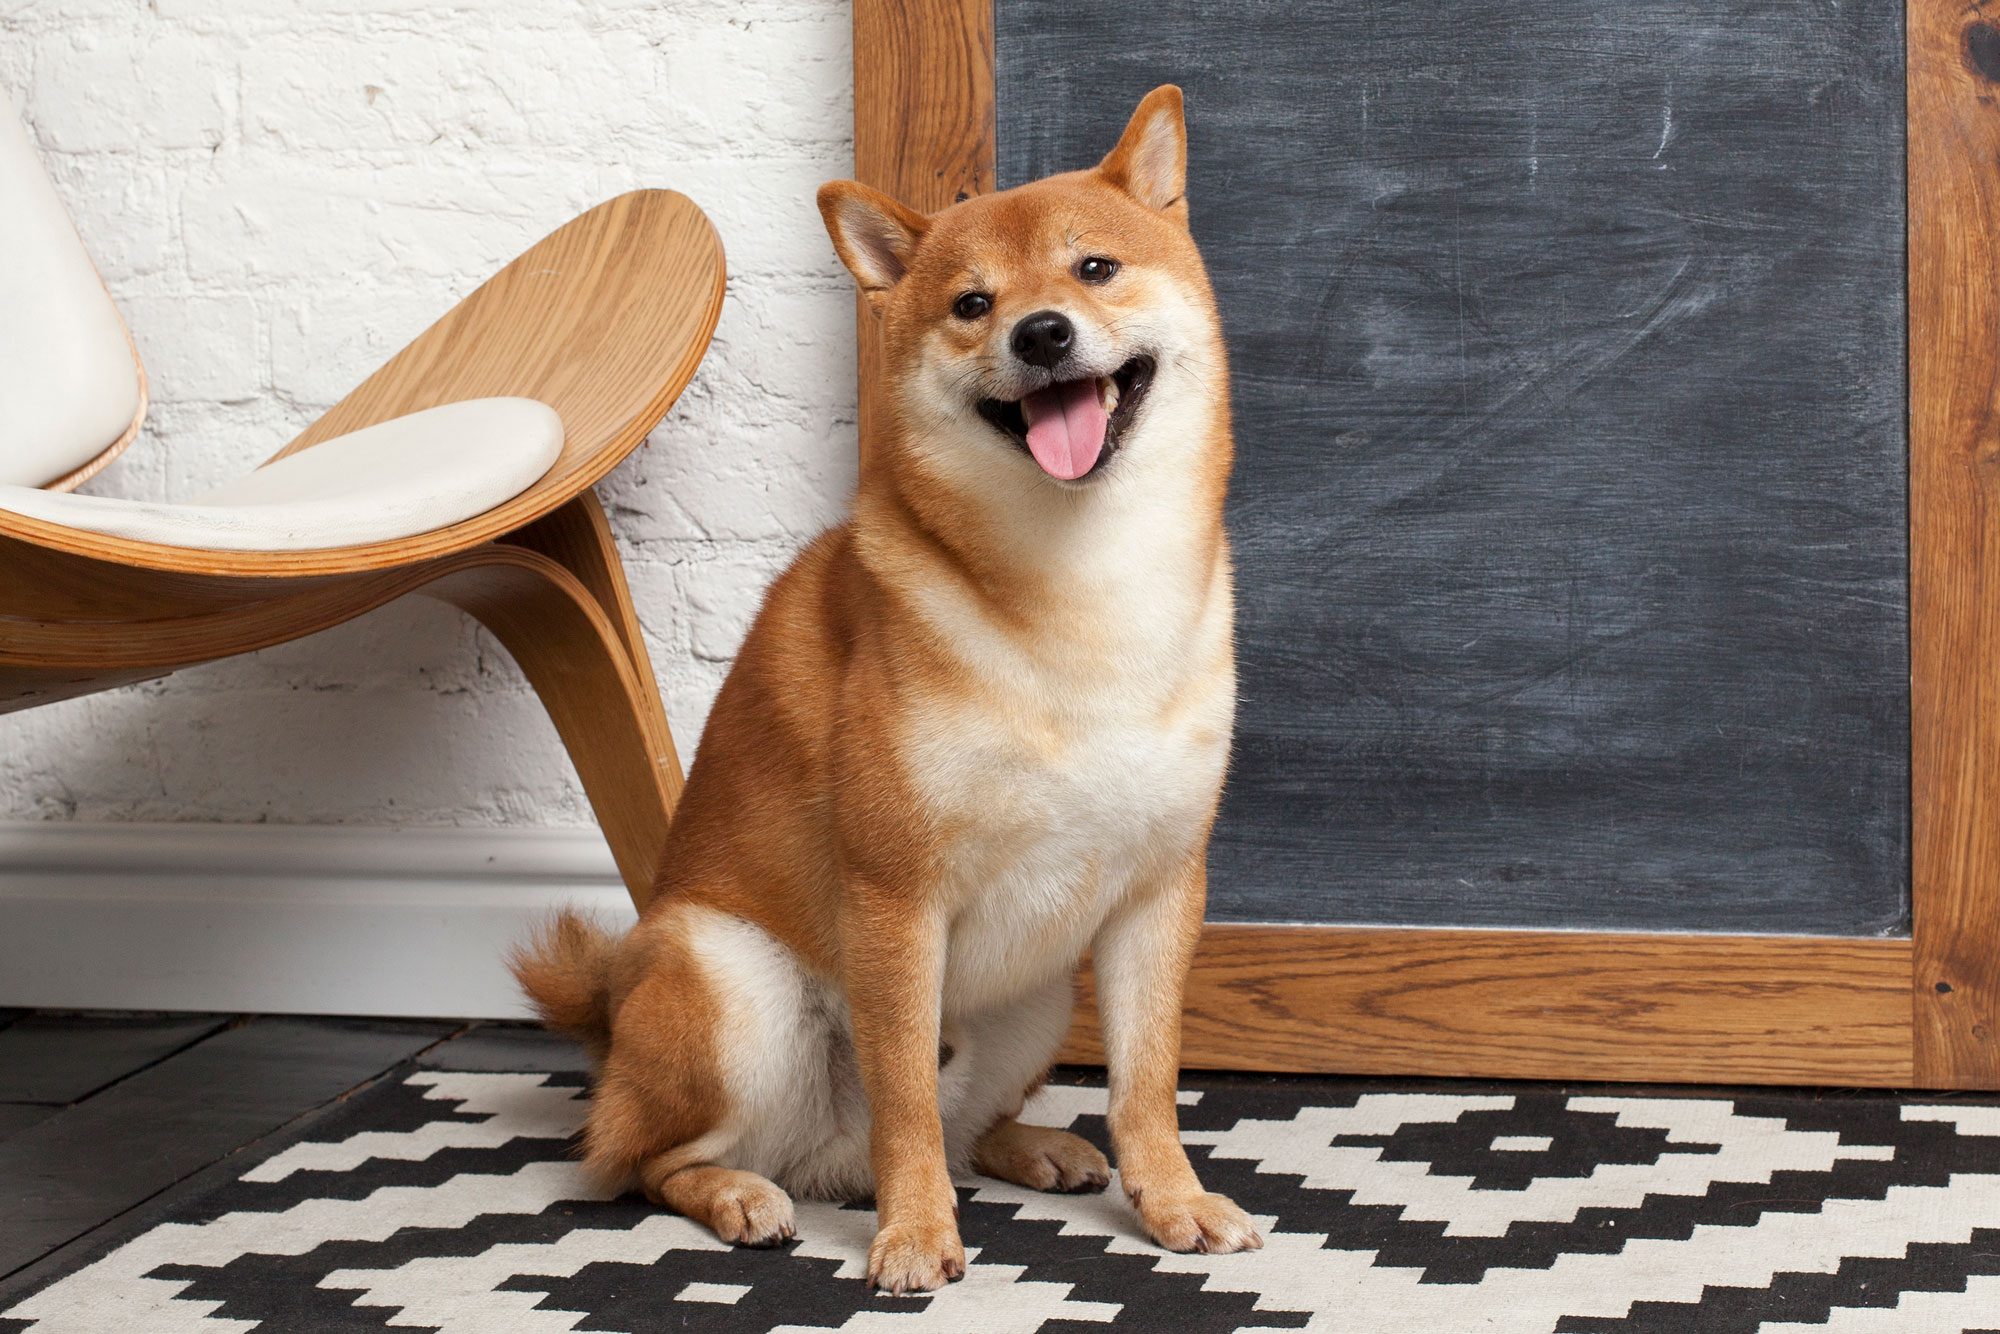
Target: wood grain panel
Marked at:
1543, 1005
923, 125
1954, 139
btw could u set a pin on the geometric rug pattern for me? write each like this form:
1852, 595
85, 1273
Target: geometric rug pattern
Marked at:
451, 1201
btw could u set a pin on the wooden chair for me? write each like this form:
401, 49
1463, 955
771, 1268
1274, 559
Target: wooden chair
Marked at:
604, 322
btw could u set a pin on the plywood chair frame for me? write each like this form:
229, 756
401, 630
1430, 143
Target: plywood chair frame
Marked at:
1921, 1010
605, 320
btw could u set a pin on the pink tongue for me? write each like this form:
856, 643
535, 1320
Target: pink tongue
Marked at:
1065, 428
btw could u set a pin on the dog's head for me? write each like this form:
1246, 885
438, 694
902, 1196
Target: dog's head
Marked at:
1044, 329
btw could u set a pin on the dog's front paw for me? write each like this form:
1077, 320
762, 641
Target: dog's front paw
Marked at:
1208, 1223
915, 1257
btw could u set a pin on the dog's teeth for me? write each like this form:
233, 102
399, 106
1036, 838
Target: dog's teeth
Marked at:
1107, 393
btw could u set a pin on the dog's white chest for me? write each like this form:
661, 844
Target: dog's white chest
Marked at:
1057, 816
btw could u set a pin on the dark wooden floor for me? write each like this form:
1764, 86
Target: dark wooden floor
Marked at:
101, 1114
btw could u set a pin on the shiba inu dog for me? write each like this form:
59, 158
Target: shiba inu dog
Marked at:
973, 732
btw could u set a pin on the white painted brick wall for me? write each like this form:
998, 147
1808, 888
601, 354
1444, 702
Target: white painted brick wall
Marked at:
281, 193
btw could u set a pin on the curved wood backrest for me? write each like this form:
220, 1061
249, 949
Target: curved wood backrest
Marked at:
605, 320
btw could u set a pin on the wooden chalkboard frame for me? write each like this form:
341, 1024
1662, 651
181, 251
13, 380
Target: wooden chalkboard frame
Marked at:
1920, 1011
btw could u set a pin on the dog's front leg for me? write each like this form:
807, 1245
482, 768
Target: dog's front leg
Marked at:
1141, 957
893, 957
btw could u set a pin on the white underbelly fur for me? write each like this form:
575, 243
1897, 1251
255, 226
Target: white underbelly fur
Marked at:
798, 1112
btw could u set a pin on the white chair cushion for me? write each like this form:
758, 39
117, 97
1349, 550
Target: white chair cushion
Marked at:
411, 475
68, 384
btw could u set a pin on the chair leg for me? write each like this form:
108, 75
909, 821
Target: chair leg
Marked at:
578, 537
561, 608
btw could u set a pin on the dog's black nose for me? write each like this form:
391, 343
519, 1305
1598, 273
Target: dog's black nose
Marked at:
1043, 338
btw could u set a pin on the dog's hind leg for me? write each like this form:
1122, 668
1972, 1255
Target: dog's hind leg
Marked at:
661, 1103
1040, 1158
740, 1207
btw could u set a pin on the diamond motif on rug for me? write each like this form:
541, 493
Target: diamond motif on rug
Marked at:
452, 1201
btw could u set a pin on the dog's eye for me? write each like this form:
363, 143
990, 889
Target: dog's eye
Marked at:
1097, 269
972, 305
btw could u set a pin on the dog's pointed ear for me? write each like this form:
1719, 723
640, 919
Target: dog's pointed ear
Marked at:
1150, 162
875, 235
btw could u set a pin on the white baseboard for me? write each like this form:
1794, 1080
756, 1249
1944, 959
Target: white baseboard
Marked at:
284, 919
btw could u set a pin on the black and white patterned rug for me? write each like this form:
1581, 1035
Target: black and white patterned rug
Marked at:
444, 1200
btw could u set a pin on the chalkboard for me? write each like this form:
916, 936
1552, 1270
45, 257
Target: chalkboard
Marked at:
1570, 505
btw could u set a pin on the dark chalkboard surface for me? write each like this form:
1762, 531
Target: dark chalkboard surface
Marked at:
1570, 505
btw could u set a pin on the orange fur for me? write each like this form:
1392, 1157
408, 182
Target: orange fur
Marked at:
974, 731
566, 971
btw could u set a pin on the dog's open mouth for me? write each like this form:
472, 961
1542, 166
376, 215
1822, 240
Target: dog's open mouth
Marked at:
1073, 427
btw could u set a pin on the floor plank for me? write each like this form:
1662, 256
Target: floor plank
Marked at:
162, 1206
18, 1116
508, 1047
88, 1164
65, 1058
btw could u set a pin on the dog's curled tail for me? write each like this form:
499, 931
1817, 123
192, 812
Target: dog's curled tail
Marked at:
565, 968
